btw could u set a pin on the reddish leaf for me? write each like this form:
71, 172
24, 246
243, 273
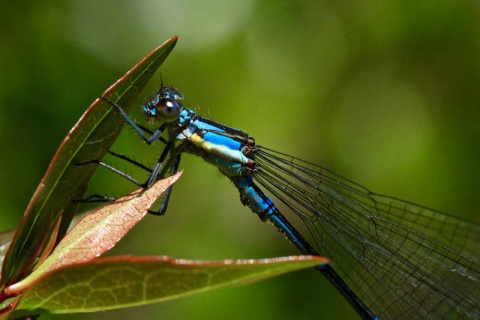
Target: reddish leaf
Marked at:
98, 232
89, 139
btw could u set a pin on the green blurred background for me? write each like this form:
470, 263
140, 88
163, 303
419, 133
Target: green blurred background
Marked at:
384, 93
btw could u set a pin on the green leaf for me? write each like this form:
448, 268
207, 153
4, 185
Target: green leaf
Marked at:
64, 180
5, 240
118, 282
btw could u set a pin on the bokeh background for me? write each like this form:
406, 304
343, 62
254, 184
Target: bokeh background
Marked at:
384, 93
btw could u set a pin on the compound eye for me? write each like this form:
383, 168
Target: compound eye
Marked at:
167, 110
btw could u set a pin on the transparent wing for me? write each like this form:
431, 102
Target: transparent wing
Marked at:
403, 260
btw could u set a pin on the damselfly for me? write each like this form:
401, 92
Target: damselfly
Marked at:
391, 258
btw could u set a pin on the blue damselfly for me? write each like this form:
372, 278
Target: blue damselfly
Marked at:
390, 258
